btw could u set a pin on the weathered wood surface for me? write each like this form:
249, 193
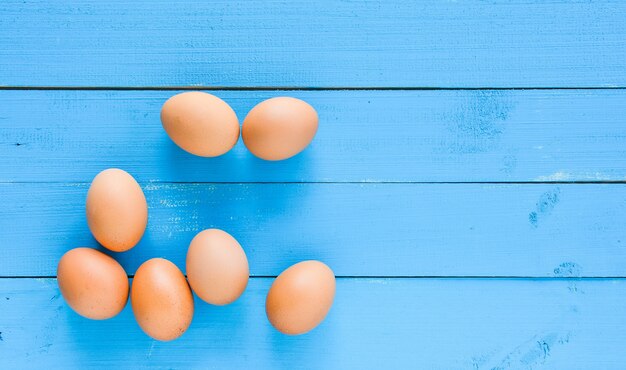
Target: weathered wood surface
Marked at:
364, 136
327, 43
374, 323
358, 229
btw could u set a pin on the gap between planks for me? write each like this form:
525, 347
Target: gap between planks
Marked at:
579, 182
300, 88
405, 277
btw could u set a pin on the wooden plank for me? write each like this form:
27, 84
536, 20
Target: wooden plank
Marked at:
368, 136
521, 43
374, 324
358, 229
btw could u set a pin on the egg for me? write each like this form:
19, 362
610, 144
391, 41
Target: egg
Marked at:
217, 267
279, 128
161, 300
92, 283
200, 123
117, 211
300, 297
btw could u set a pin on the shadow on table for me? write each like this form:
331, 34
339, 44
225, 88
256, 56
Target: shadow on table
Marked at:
238, 165
233, 336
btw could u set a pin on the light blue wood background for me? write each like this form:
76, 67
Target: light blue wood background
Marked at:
467, 184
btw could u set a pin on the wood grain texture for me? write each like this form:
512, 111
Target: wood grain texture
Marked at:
521, 43
400, 181
373, 324
358, 229
364, 136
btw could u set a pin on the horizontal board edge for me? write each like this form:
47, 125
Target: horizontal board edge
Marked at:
364, 182
396, 277
300, 88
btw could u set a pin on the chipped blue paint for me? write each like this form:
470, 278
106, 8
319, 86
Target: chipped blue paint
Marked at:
568, 269
545, 205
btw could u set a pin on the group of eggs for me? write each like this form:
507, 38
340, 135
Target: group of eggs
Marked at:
205, 125
96, 286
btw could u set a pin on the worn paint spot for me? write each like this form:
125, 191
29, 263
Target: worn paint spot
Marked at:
168, 203
568, 269
573, 288
533, 352
540, 352
1, 339
478, 121
544, 206
45, 348
557, 176
479, 362
510, 162
149, 354
567, 176
548, 200
532, 218
151, 187
46, 139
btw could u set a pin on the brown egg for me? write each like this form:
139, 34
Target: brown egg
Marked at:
161, 299
92, 283
217, 267
300, 297
200, 123
279, 128
117, 212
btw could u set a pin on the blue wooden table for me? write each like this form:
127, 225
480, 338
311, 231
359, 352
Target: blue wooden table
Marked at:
467, 184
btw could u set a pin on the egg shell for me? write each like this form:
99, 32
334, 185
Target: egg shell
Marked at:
161, 300
279, 128
300, 297
217, 267
117, 211
92, 283
200, 123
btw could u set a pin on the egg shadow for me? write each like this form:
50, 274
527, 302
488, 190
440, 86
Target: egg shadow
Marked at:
302, 349
186, 167
241, 194
235, 166
212, 324
113, 336
266, 211
273, 184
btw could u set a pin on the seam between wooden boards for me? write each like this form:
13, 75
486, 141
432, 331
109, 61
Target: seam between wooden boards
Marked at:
300, 88
578, 182
407, 277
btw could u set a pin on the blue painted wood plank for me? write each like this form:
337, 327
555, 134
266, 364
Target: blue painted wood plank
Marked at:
358, 229
364, 136
517, 43
373, 324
